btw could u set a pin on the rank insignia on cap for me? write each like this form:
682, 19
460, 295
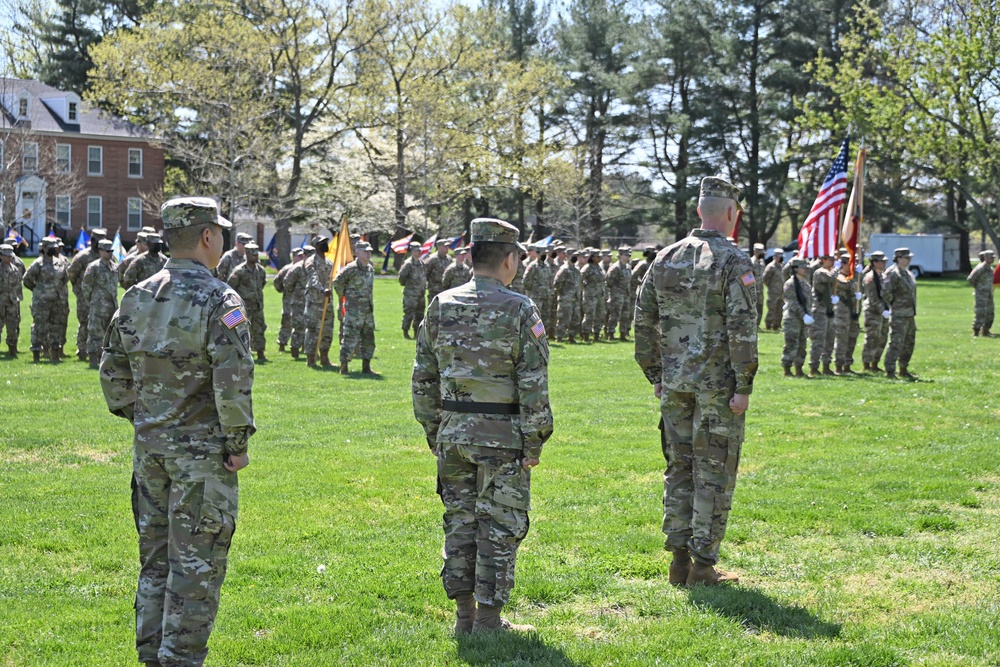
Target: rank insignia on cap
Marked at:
234, 317
748, 279
538, 329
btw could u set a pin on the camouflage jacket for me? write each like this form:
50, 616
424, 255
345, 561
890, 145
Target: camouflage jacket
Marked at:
413, 277
696, 317
177, 363
125, 263
483, 343
758, 273
455, 275
981, 278
230, 260
354, 283
872, 286
79, 265
846, 288
899, 290
592, 282
295, 284
823, 286
47, 278
142, 267
517, 284
619, 279
537, 282
248, 280
797, 296
436, 266
317, 270
773, 278
567, 284
99, 287
279, 280
10, 283
638, 273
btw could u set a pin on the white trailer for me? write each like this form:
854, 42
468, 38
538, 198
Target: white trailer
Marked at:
932, 253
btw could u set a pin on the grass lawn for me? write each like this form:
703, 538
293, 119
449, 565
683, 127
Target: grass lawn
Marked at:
865, 523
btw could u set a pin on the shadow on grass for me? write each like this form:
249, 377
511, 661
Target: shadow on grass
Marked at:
510, 648
757, 612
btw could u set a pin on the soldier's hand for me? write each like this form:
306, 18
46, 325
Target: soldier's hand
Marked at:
233, 463
658, 390
739, 403
327, 293
528, 464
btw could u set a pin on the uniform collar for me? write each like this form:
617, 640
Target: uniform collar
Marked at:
186, 265
486, 280
706, 233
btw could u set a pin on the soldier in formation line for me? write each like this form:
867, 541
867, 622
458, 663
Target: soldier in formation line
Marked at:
47, 278
460, 271
233, 257
11, 296
17, 261
354, 283
758, 273
290, 284
618, 280
319, 296
795, 321
847, 312
99, 288
593, 294
436, 266
821, 331
146, 264
900, 293
876, 312
248, 279
77, 267
568, 291
774, 281
981, 280
537, 281
137, 249
413, 278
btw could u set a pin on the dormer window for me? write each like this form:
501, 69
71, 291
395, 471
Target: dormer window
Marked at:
71, 114
22, 109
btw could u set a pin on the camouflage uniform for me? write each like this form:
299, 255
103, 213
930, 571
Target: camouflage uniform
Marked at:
797, 304
593, 296
635, 280
696, 333
177, 365
775, 284
981, 280
287, 303
821, 331
517, 285
900, 291
436, 267
876, 325
248, 280
144, 266
455, 275
47, 278
758, 274
480, 390
100, 290
567, 293
355, 283
317, 270
413, 278
230, 260
618, 281
846, 325
76, 269
538, 287
11, 296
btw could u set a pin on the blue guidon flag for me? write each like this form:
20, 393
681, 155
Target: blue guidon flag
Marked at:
234, 317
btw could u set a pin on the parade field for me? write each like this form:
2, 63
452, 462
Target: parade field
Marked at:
865, 525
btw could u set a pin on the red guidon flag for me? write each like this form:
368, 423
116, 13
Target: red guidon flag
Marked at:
855, 211
996, 275
818, 235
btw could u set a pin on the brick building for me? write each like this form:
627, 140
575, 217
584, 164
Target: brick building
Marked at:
67, 166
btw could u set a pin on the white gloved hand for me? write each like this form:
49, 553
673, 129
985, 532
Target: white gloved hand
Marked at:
859, 296
837, 265
835, 299
886, 314
808, 319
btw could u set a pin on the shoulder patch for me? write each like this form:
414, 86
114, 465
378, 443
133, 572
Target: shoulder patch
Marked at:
538, 329
233, 318
747, 279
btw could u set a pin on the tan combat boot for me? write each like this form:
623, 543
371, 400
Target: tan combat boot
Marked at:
975, 331
846, 370
311, 360
826, 370
95, 361
406, 334
295, 353
324, 359
987, 333
488, 618
35, 356
12, 350
680, 567
798, 371
709, 576
281, 348
343, 368
904, 373
890, 373
260, 356
366, 367
788, 371
586, 337
814, 371
866, 366
465, 614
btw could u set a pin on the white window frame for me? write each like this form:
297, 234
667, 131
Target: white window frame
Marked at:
71, 112
100, 211
128, 213
25, 157
138, 151
68, 224
69, 159
101, 160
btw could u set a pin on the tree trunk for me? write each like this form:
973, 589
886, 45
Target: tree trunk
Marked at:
400, 184
756, 215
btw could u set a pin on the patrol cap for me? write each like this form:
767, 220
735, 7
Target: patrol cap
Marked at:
825, 256
141, 236
298, 251
153, 238
309, 249
798, 262
441, 242
251, 247
462, 250
493, 230
606, 253
181, 212
58, 242
845, 257
99, 233
624, 250
986, 253
6, 249
779, 251
319, 238
901, 253
363, 245
715, 186
877, 256
149, 230
244, 238
758, 246
105, 244
414, 245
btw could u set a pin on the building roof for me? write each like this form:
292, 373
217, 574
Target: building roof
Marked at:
47, 112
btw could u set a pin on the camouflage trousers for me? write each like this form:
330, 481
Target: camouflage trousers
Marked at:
876, 334
821, 335
98, 318
292, 323
592, 321
902, 337
257, 328
10, 319
357, 332
567, 317
760, 302
795, 330
984, 310
618, 314
312, 319
486, 496
185, 511
846, 329
83, 318
49, 318
702, 440
775, 308
413, 311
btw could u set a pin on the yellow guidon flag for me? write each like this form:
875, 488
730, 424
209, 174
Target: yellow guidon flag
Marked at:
340, 254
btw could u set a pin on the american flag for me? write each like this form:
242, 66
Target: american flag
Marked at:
400, 246
428, 246
818, 235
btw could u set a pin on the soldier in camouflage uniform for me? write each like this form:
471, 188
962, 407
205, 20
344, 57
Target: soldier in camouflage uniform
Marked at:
436, 266
289, 285
100, 291
696, 343
981, 280
177, 365
797, 297
248, 279
77, 267
460, 272
775, 283
47, 278
319, 296
480, 390
517, 285
593, 296
11, 296
618, 280
758, 274
413, 278
13, 243
821, 331
638, 273
567, 291
847, 312
900, 293
147, 264
876, 313
354, 283
233, 257
137, 249
537, 282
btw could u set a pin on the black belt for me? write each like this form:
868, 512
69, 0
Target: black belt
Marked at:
482, 408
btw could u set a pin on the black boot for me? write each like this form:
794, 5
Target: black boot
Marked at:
366, 367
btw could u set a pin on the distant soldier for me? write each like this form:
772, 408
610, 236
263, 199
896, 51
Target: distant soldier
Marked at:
536, 281
77, 267
900, 292
786, 270
13, 243
567, 292
100, 290
876, 313
319, 296
981, 280
436, 266
606, 261
233, 257
480, 390
355, 283
772, 279
594, 295
796, 319
758, 274
847, 312
460, 271
137, 249
47, 278
821, 331
147, 264
413, 278
292, 288
517, 285
11, 296
638, 273
248, 279
618, 280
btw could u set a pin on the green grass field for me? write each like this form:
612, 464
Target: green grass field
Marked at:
865, 527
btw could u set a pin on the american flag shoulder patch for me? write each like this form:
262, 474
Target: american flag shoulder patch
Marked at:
538, 329
234, 317
748, 279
